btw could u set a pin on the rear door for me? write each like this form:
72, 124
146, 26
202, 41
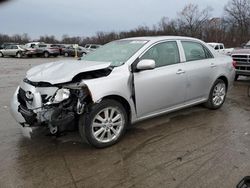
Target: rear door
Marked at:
200, 67
163, 87
13, 50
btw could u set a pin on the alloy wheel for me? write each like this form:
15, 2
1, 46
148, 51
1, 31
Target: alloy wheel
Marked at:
219, 94
107, 125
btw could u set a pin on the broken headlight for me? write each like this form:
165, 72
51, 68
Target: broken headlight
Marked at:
61, 95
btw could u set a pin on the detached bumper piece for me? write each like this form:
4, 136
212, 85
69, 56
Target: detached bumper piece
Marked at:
29, 115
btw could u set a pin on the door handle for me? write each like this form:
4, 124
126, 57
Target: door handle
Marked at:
180, 71
213, 65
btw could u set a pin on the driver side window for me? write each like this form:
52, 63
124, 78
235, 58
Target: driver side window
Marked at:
166, 53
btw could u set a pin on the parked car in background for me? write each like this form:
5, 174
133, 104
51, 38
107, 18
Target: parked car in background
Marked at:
242, 58
219, 47
13, 50
91, 47
4, 45
121, 83
33, 44
61, 47
70, 51
46, 50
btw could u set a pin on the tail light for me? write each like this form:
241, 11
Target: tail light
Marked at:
234, 63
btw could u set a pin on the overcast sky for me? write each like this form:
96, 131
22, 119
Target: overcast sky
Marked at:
86, 17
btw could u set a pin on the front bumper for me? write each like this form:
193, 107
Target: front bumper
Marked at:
243, 72
14, 105
26, 111
27, 131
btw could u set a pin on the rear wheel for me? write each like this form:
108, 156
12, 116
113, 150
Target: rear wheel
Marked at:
104, 125
46, 54
217, 95
1, 54
66, 54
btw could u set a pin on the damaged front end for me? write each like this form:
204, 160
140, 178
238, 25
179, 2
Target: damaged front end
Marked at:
56, 106
54, 94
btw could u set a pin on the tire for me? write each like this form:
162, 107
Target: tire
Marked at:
19, 54
105, 132
46, 54
236, 77
217, 95
66, 54
1, 54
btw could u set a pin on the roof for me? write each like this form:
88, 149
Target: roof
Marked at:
214, 43
158, 38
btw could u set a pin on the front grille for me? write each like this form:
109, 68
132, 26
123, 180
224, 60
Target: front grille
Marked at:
241, 58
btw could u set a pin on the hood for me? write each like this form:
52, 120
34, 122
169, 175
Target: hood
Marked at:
241, 51
62, 71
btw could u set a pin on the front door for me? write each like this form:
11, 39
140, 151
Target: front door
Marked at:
163, 87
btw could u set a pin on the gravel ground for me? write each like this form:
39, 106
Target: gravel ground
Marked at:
195, 147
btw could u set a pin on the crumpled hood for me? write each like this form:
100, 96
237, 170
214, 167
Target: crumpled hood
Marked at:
62, 71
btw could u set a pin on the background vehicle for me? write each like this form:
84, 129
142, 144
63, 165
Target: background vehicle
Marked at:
46, 50
121, 83
61, 47
4, 45
33, 44
91, 47
219, 47
70, 51
242, 58
13, 50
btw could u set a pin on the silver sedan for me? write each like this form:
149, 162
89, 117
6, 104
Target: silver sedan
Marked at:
13, 50
121, 83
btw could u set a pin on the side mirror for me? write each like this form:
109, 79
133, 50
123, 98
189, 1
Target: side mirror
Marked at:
146, 64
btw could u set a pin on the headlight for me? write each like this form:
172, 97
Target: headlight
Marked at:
61, 95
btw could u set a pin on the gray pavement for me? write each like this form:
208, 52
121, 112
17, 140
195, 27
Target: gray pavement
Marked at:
195, 147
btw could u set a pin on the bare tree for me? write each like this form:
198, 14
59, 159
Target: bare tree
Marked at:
191, 20
237, 14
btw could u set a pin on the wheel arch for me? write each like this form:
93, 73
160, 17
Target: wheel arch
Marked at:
123, 102
224, 78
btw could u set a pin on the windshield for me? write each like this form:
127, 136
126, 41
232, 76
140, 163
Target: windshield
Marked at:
212, 45
117, 52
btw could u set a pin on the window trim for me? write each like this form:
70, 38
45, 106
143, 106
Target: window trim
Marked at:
206, 50
159, 42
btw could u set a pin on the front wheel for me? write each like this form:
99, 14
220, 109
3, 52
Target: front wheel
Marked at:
18, 54
217, 95
105, 123
1, 54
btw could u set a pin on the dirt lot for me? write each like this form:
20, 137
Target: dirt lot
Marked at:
195, 147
